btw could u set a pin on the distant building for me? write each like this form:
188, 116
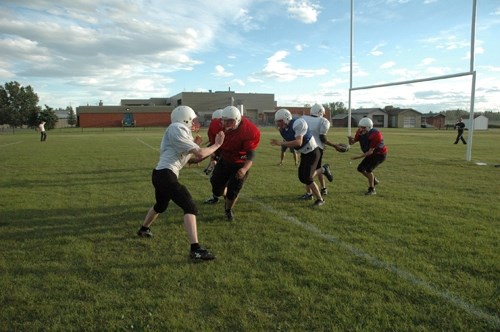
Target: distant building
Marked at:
156, 111
433, 120
480, 122
341, 120
377, 115
403, 117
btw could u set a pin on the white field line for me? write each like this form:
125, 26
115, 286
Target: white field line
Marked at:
3, 145
146, 144
405, 275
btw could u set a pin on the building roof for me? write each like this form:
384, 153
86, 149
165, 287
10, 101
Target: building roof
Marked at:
433, 115
366, 110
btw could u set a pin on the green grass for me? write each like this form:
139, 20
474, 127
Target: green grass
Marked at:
421, 255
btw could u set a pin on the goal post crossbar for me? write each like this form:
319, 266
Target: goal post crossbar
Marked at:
435, 78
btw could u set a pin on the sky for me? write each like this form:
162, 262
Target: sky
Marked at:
80, 52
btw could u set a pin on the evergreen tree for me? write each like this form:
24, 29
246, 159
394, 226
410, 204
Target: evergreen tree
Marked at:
71, 116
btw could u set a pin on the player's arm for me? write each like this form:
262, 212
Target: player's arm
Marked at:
365, 154
200, 154
339, 147
297, 142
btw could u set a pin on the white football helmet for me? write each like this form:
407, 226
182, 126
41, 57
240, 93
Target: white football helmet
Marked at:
317, 110
283, 114
366, 122
232, 112
217, 114
184, 114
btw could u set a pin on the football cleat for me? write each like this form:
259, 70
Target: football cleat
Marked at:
145, 232
318, 202
212, 200
201, 254
327, 172
371, 191
229, 215
306, 197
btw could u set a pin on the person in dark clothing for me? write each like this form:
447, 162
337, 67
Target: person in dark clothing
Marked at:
459, 126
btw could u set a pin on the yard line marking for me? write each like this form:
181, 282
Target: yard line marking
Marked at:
449, 297
1, 146
146, 144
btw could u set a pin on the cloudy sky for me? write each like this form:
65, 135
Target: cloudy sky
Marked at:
78, 52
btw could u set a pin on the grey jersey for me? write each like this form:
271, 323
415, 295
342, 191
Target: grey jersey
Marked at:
318, 126
175, 146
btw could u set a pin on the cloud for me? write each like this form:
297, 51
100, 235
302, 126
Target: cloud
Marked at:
388, 64
238, 81
357, 71
245, 20
221, 72
277, 69
304, 11
427, 61
375, 50
447, 41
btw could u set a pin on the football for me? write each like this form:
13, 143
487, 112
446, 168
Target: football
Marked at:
341, 147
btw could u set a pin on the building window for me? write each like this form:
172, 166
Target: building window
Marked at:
378, 120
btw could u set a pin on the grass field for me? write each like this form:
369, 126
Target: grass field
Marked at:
421, 255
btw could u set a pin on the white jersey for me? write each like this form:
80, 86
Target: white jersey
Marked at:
175, 146
300, 128
318, 126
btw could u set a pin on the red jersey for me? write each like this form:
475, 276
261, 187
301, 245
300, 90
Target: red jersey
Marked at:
372, 139
236, 142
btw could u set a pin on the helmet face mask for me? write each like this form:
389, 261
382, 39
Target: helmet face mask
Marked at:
185, 115
231, 118
282, 118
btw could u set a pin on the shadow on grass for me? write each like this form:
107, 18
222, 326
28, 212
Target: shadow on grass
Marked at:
42, 223
94, 177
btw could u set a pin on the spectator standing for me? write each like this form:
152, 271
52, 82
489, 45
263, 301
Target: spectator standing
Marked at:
43, 133
460, 126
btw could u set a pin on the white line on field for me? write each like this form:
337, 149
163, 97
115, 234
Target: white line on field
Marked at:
1, 146
146, 144
451, 298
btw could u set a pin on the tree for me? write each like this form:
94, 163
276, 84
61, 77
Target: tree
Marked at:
71, 116
337, 107
18, 104
49, 116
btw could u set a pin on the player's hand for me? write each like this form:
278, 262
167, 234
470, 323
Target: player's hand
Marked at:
219, 138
